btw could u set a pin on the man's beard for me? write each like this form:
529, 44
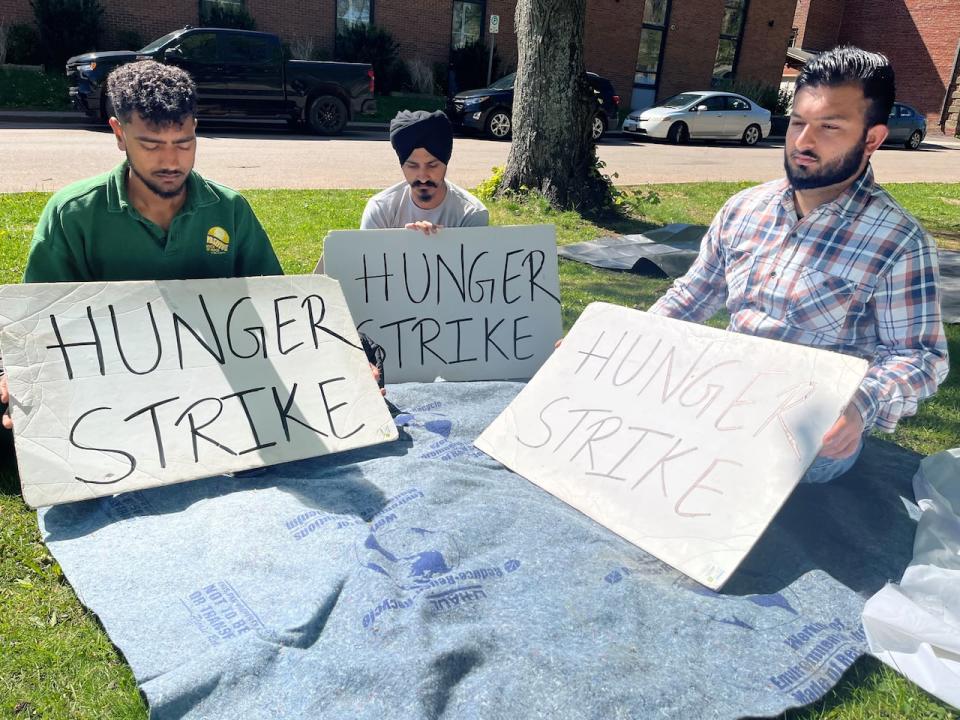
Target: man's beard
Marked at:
838, 171
424, 190
156, 189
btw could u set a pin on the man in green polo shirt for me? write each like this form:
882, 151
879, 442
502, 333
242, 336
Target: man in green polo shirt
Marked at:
152, 217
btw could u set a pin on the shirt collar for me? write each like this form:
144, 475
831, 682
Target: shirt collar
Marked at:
848, 203
199, 192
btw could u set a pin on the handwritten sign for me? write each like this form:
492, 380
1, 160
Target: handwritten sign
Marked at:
465, 304
122, 386
681, 438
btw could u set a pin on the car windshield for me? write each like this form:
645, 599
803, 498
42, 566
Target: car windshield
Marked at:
681, 100
160, 42
504, 83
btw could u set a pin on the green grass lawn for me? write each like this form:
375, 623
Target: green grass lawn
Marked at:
56, 661
29, 90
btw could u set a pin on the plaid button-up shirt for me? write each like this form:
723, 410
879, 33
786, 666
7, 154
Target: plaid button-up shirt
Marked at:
858, 275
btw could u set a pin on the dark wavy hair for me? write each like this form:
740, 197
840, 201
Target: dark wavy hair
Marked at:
848, 65
162, 95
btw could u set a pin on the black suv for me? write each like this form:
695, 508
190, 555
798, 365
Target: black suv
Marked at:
490, 109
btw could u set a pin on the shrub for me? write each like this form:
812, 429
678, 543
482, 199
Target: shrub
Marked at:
370, 44
23, 45
769, 97
420, 76
470, 65
4, 31
66, 28
215, 14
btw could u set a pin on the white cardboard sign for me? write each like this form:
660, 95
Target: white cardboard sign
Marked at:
122, 386
477, 303
681, 438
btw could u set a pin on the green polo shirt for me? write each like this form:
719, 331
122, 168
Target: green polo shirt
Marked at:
90, 231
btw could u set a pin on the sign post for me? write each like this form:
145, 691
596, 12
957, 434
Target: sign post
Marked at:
494, 28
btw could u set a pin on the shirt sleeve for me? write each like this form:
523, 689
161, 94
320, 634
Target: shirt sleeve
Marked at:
703, 288
54, 256
910, 360
476, 217
256, 256
373, 218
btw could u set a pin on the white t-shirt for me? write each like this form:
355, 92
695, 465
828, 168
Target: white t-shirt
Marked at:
394, 208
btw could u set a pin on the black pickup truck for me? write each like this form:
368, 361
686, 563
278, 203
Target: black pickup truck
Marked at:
239, 74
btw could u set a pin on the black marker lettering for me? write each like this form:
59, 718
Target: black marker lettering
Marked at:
131, 460
63, 346
156, 339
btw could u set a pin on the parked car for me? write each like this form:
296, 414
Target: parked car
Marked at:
490, 109
701, 115
906, 126
239, 74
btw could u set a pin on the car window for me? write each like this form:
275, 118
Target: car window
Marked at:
160, 42
905, 111
894, 111
199, 47
734, 103
249, 50
504, 83
714, 103
680, 101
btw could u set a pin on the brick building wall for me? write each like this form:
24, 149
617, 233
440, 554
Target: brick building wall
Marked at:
423, 29
818, 23
919, 36
15, 11
765, 39
293, 19
140, 16
691, 46
611, 39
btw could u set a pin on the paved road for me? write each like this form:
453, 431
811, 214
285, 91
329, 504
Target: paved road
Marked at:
41, 157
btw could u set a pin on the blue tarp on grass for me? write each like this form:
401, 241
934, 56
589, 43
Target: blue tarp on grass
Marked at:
421, 579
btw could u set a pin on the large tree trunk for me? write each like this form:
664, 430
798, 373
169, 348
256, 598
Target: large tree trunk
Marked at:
553, 106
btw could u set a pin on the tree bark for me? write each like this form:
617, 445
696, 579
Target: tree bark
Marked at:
553, 106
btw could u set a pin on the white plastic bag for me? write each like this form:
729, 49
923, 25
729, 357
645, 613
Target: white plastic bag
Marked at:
914, 627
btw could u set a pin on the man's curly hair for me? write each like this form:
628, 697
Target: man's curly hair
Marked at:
160, 94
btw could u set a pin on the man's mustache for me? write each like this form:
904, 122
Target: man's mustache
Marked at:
805, 154
428, 183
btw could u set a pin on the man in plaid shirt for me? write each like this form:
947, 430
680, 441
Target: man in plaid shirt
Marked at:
826, 258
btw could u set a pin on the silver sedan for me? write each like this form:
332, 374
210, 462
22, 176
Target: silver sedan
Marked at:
704, 114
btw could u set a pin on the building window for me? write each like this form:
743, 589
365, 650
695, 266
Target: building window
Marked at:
352, 13
731, 31
467, 22
650, 53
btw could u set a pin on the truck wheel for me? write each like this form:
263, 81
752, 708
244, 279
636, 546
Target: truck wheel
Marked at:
327, 115
107, 111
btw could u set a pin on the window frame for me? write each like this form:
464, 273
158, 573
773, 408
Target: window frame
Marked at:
663, 30
737, 39
483, 14
336, 16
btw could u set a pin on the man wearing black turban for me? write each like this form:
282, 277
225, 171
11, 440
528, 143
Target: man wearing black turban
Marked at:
425, 200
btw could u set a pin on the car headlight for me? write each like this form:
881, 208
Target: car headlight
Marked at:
86, 67
475, 100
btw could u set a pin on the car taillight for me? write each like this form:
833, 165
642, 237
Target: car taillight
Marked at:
372, 79
616, 100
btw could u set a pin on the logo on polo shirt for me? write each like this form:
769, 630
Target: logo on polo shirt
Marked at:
218, 241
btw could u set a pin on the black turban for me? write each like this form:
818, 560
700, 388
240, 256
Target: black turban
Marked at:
422, 129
